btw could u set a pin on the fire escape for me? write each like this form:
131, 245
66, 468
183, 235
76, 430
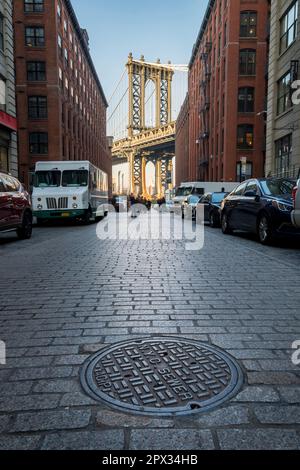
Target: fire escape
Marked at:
204, 112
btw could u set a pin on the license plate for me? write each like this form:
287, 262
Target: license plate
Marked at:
65, 214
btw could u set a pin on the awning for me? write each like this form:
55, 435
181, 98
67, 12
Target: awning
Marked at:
8, 121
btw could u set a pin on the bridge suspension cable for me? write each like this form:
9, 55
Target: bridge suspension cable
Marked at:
117, 86
114, 111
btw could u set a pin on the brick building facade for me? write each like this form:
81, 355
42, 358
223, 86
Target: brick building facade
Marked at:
8, 123
62, 107
283, 129
182, 144
227, 89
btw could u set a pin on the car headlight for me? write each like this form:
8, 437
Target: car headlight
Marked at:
75, 206
281, 206
39, 207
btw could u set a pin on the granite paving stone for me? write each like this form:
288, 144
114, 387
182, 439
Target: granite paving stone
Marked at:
100, 292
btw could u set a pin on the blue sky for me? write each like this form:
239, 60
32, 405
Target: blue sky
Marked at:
156, 28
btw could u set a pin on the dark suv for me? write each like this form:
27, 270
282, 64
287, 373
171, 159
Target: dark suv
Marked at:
262, 206
15, 207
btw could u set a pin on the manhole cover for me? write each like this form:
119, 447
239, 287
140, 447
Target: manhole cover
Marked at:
162, 376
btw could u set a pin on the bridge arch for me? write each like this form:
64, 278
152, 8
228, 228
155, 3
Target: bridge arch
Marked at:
150, 103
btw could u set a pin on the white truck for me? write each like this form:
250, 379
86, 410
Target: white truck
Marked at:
69, 189
296, 211
199, 189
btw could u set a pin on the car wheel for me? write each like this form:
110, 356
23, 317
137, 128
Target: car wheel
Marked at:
25, 231
225, 225
264, 229
87, 217
213, 220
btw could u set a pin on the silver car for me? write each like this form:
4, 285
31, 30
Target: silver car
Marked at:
296, 211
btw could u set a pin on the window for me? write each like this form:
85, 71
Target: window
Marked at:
253, 186
278, 187
59, 11
37, 107
75, 178
245, 136
2, 187
248, 24
225, 34
36, 71
38, 143
240, 189
283, 153
246, 100
1, 33
284, 99
60, 75
35, 36
247, 62
2, 95
244, 171
35, 6
288, 27
47, 179
10, 183
66, 56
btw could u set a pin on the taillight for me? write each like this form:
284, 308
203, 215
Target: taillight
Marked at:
294, 194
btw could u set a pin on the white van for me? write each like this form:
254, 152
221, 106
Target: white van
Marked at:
199, 189
69, 189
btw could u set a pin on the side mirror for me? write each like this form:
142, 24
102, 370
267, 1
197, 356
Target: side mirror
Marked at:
250, 194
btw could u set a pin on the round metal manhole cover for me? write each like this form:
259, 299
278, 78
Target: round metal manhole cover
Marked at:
162, 376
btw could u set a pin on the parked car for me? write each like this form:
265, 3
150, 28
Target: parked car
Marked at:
212, 207
199, 189
262, 206
15, 207
296, 200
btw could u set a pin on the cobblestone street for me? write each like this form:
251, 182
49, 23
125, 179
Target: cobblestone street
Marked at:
65, 294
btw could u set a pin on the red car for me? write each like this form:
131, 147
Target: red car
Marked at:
15, 207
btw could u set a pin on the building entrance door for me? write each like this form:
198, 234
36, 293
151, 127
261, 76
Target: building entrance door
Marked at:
3, 158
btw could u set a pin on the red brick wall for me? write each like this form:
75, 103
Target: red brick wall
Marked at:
182, 144
209, 158
82, 133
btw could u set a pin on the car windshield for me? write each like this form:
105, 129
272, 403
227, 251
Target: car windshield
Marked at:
183, 191
47, 179
218, 197
194, 200
279, 187
75, 178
